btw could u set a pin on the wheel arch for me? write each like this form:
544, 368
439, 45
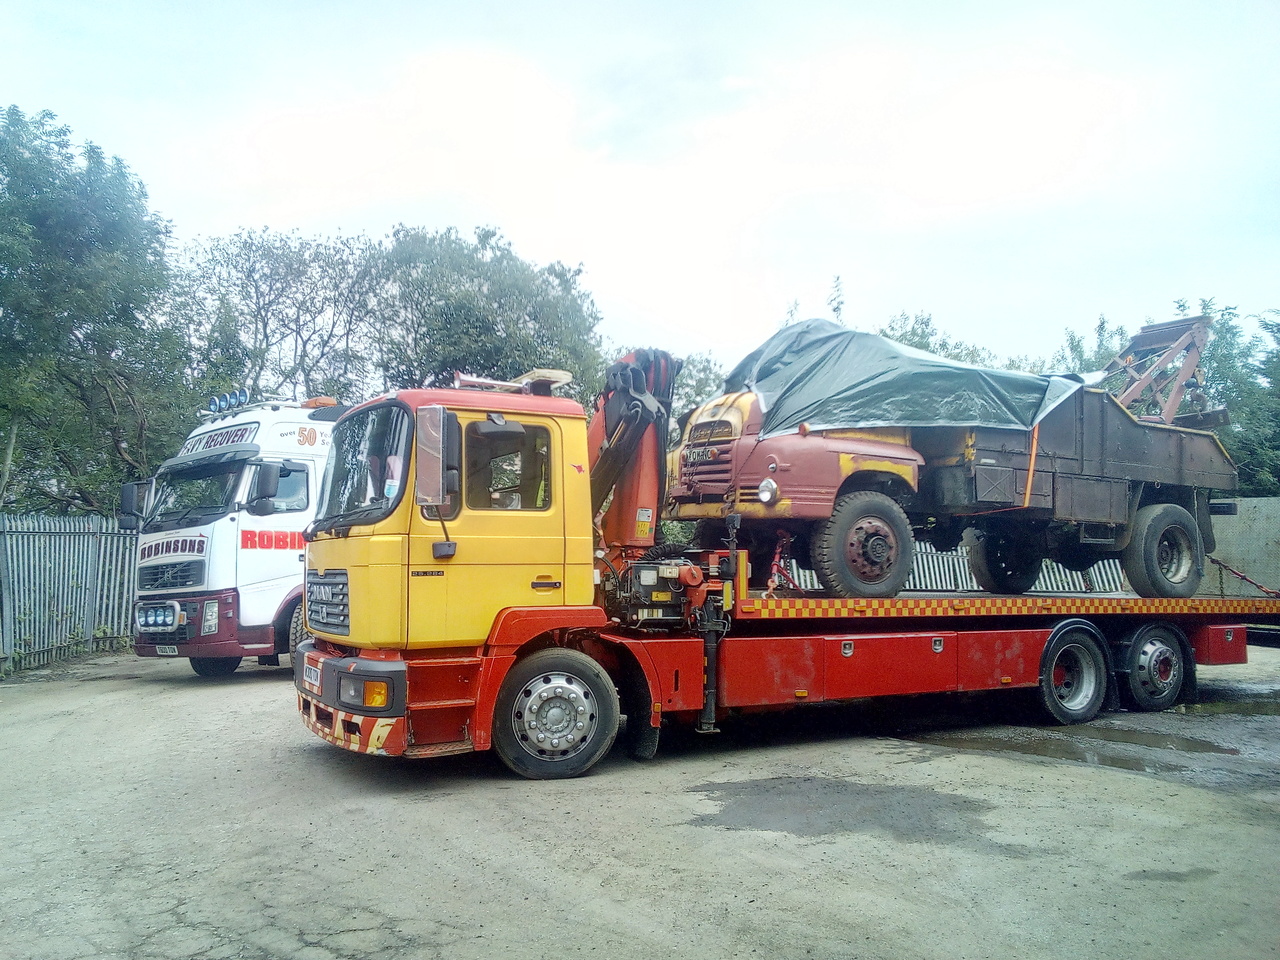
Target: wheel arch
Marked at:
280, 622
890, 483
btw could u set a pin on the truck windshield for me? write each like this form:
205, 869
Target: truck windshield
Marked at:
366, 470
195, 496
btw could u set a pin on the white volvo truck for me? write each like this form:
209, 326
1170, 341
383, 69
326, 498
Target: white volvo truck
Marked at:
220, 548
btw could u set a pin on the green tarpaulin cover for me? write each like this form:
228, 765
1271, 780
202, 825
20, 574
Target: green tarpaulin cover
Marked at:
829, 377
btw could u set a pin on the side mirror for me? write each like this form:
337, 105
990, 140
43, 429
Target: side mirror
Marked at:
129, 515
266, 484
439, 456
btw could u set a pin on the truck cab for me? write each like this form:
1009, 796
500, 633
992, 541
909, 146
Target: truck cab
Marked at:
220, 547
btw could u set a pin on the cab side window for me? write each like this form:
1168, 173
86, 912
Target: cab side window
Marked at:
508, 472
292, 494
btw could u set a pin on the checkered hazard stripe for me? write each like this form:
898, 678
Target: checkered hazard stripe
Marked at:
755, 608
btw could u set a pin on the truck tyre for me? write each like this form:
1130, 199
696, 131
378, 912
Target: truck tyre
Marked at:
1165, 555
215, 666
556, 715
297, 630
1073, 677
1003, 564
865, 548
1156, 666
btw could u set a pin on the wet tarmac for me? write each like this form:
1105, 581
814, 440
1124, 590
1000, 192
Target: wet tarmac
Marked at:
1228, 739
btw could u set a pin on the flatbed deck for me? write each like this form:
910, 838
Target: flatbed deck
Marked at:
755, 606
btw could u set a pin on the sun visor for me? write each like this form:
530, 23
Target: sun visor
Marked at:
224, 454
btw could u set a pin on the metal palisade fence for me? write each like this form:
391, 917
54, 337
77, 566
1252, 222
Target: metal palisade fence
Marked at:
66, 587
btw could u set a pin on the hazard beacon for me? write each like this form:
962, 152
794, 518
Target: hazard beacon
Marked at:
482, 574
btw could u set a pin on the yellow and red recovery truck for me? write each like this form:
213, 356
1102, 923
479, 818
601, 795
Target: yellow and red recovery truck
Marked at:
482, 574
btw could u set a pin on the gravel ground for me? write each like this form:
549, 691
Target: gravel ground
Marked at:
151, 813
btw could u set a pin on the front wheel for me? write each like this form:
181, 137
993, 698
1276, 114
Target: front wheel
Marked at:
556, 715
1165, 555
297, 631
865, 548
215, 666
1003, 564
1073, 677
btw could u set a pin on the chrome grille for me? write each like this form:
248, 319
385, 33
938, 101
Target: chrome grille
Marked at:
171, 576
328, 602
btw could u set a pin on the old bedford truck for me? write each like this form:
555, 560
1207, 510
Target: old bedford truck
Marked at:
840, 449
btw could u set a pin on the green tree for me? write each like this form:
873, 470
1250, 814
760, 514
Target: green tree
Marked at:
921, 332
81, 259
1077, 356
446, 305
277, 313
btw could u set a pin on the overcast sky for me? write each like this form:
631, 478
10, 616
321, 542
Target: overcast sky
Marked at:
1014, 169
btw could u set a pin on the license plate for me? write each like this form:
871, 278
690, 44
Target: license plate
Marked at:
311, 674
164, 650
695, 455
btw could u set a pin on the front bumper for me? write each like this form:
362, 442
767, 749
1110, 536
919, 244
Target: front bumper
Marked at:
378, 730
229, 638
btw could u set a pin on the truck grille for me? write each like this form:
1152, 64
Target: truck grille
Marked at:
328, 602
697, 465
171, 576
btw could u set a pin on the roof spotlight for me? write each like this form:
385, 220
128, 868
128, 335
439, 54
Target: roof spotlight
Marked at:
213, 404
244, 396
224, 401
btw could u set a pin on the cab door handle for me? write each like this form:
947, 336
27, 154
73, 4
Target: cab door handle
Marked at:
546, 584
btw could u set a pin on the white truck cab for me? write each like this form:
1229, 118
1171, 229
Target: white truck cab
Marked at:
220, 546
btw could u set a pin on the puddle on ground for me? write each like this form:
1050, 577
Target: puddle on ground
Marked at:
1053, 748
1159, 741
1241, 708
819, 806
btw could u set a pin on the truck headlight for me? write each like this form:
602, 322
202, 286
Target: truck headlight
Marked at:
359, 692
768, 490
210, 623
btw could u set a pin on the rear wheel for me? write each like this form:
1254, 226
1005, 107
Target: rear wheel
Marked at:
1073, 677
1165, 555
215, 666
1003, 564
865, 548
1156, 668
556, 715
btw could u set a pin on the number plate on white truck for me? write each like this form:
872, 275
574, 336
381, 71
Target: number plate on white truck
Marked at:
165, 650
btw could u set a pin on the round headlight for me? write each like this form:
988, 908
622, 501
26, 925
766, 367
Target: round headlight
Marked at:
148, 617
169, 616
768, 490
